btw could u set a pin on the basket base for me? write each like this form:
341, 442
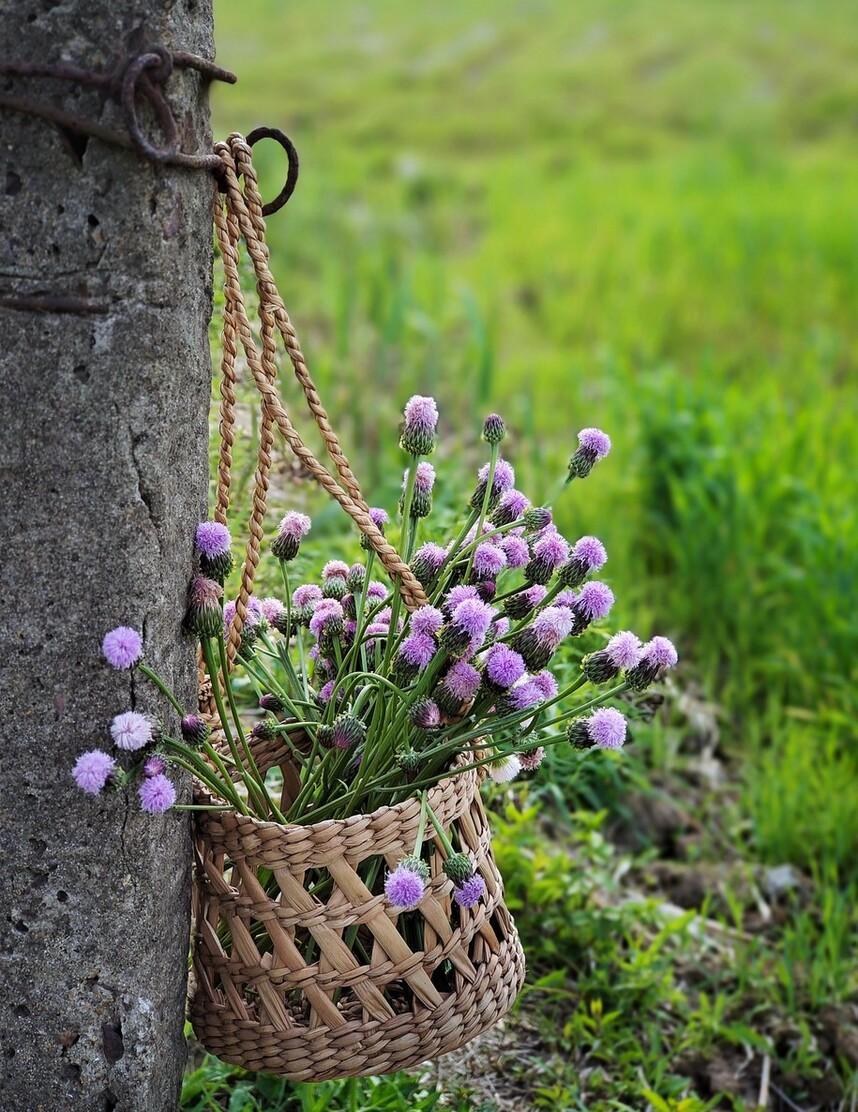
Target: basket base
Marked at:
373, 1047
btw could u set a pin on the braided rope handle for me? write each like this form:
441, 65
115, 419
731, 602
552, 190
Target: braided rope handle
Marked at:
238, 215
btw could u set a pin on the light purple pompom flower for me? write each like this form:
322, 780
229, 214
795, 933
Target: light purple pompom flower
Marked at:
551, 625
512, 505
404, 887
417, 650
524, 695
565, 598
595, 441
155, 765
551, 549
122, 647
328, 613
500, 628
294, 525
376, 591
468, 626
624, 650
212, 539
462, 680
326, 692
489, 560
428, 560
92, 771
335, 568
532, 759
424, 478
421, 412
594, 601
545, 684
503, 480
469, 893
272, 609
307, 595
590, 552
427, 620
607, 728
661, 652
504, 666
157, 794
131, 730
516, 551
458, 594
379, 517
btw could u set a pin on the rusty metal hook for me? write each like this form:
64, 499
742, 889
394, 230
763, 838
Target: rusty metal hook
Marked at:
291, 154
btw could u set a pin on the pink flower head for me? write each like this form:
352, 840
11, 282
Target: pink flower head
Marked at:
212, 539
516, 551
157, 794
589, 552
92, 770
551, 549
504, 477
122, 647
462, 680
424, 478
421, 413
380, 517
511, 506
376, 591
551, 625
595, 441
458, 594
327, 612
660, 652
417, 650
532, 759
430, 557
524, 695
131, 730
489, 560
565, 598
326, 692
624, 650
607, 728
294, 525
504, 666
469, 893
469, 625
155, 765
204, 591
500, 628
594, 601
504, 769
272, 609
335, 567
426, 620
404, 887
308, 594
545, 684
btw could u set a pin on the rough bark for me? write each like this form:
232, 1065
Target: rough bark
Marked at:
103, 472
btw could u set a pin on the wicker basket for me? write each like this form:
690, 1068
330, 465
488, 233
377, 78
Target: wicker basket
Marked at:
373, 1000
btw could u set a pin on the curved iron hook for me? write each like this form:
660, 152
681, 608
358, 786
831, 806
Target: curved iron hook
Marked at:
292, 155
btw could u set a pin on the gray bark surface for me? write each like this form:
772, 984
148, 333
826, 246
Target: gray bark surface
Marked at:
103, 473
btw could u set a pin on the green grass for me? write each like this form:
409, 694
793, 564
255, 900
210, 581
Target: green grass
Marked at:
642, 216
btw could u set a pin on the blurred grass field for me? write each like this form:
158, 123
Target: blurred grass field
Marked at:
642, 216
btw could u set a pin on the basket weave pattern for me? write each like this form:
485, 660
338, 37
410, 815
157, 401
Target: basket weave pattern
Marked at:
371, 999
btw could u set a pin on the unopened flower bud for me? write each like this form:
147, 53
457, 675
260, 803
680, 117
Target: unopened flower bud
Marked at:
494, 430
458, 868
204, 616
195, 730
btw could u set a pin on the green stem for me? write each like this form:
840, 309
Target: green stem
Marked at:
484, 509
168, 694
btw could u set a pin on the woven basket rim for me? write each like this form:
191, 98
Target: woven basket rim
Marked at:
435, 796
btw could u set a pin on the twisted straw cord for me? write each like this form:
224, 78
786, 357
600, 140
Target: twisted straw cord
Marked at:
412, 590
228, 239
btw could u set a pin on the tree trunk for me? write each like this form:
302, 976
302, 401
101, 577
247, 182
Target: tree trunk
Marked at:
103, 473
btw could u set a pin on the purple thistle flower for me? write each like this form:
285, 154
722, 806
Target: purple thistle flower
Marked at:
503, 480
500, 628
122, 647
405, 887
505, 768
376, 591
516, 551
421, 500
565, 598
469, 893
489, 560
549, 552
417, 650
624, 650
212, 539
523, 602
326, 692
157, 794
419, 426
379, 518
593, 445
458, 687
468, 626
458, 594
308, 594
92, 771
428, 561
607, 728
588, 554
594, 601
546, 684
494, 429
154, 766
272, 609
504, 666
427, 620
204, 613
293, 528
425, 714
658, 656
194, 729
512, 505
532, 759
551, 625
524, 695
327, 618
337, 568
536, 519
130, 730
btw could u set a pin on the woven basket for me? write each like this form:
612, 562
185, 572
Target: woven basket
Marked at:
372, 999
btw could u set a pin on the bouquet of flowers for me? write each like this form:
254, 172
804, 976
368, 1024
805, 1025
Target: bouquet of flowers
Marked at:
374, 703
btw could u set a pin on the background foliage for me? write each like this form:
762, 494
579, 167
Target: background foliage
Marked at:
641, 216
